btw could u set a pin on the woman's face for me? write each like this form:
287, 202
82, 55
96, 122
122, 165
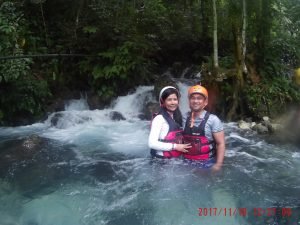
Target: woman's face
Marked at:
171, 102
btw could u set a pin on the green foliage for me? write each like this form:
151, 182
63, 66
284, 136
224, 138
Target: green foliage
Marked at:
29, 93
271, 97
12, 69
122, 61
20, 91
120, 66
11, 30
106, 91
227, 62
135, 39
90, 29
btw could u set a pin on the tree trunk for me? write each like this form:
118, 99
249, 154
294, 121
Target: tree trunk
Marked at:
215, 39
80, 5
44, 23
238, 85
245, 70
264, 29
205, 20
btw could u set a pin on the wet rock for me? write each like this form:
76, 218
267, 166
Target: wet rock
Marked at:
56, 106
54, 120
261, 129
32, 142
150, 109
244, 125
266, 119
116, 116
20, 151
142, 116
268, 124
248, 120
275, 128
95, 102
63, 120
252, 124
164, 80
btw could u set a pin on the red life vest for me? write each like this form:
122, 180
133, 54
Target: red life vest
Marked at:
174, 136
202, 148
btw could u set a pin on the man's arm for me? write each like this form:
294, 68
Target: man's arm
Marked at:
219, 138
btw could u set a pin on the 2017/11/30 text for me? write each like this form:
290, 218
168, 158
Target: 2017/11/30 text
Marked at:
284, 212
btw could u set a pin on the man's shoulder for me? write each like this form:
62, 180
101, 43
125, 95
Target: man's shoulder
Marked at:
214, 117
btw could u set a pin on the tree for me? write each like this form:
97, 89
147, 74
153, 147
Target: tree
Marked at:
238, 21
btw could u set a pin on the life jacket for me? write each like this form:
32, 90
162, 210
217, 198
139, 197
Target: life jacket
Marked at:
174, 135
202, 148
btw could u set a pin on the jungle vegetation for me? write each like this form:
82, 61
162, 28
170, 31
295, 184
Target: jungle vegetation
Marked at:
247, 50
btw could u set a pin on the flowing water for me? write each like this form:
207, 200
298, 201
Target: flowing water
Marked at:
82, 168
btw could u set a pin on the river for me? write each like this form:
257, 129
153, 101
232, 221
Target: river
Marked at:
80, 167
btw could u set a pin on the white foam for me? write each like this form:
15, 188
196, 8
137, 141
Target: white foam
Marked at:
77, 105
237, 136
183, 103
230, 153
296, 155
131, 105
251, 156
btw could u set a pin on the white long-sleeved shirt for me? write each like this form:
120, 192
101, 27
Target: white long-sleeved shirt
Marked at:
159, 130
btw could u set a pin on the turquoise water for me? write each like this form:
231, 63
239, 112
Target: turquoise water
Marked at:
90, 170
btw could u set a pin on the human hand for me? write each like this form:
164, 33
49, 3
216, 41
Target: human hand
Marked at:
216, 167
183, 147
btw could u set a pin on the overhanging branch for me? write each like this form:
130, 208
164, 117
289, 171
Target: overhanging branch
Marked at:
44, 56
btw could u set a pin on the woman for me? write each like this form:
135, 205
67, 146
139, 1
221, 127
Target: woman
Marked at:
165, 139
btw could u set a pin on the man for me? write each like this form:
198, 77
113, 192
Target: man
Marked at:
203, 130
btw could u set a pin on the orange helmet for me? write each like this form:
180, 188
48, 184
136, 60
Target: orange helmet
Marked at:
198, 89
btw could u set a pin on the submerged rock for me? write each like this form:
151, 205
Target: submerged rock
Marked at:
35, 165
32, 142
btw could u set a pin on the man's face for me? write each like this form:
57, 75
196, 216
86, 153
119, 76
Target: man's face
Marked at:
197, 102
